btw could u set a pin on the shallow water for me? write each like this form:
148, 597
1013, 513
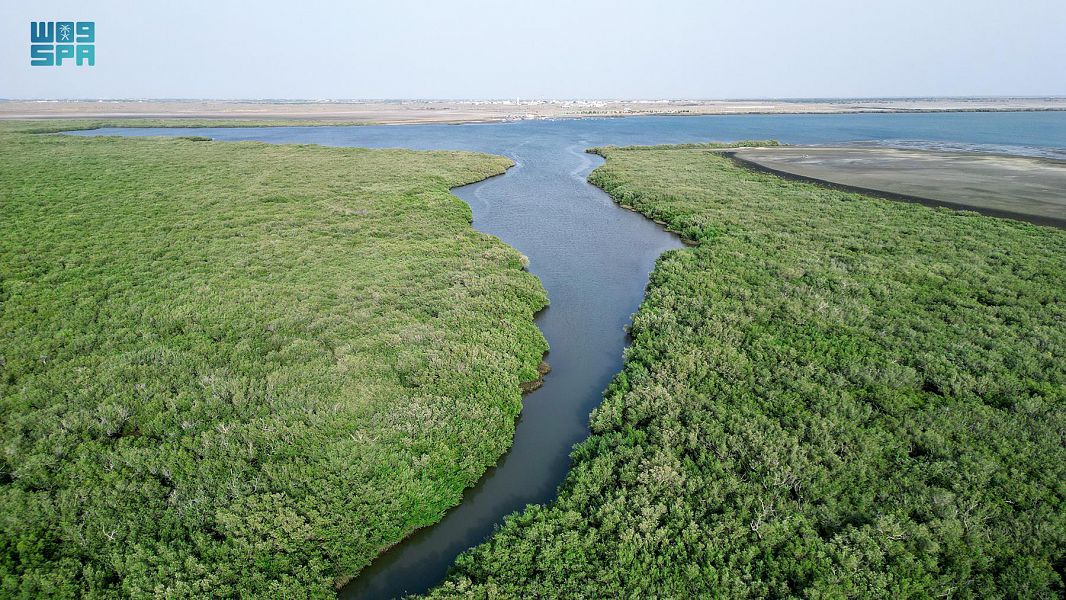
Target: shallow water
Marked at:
593, 259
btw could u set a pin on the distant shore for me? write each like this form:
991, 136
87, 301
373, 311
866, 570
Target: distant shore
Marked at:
472, 111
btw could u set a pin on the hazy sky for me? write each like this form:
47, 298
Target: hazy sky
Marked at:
545, 49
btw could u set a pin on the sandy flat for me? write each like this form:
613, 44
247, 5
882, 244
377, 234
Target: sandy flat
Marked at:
1032, 189
455, 111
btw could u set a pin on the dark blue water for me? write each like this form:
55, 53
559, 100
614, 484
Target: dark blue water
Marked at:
593, 259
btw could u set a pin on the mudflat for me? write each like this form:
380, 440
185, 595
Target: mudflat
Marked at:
466, 111
1032, 189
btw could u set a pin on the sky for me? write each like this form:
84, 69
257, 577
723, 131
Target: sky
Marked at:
471, 49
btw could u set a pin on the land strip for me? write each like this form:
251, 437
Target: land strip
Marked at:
459, 111
242, 369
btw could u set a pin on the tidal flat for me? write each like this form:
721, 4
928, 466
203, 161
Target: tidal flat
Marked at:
1027, 188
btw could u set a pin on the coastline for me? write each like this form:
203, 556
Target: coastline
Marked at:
458, 111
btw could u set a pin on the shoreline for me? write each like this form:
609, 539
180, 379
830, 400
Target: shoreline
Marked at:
457, 112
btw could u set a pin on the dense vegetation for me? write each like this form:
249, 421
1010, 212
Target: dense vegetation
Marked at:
242, 369
830, 396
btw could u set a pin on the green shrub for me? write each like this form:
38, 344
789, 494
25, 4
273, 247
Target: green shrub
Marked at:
830, 396
242, 369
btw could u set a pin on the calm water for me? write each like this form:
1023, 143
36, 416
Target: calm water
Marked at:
593, 259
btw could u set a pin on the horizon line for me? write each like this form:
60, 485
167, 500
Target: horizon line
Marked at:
558, 99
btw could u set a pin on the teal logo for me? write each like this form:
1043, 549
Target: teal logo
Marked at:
58, 43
